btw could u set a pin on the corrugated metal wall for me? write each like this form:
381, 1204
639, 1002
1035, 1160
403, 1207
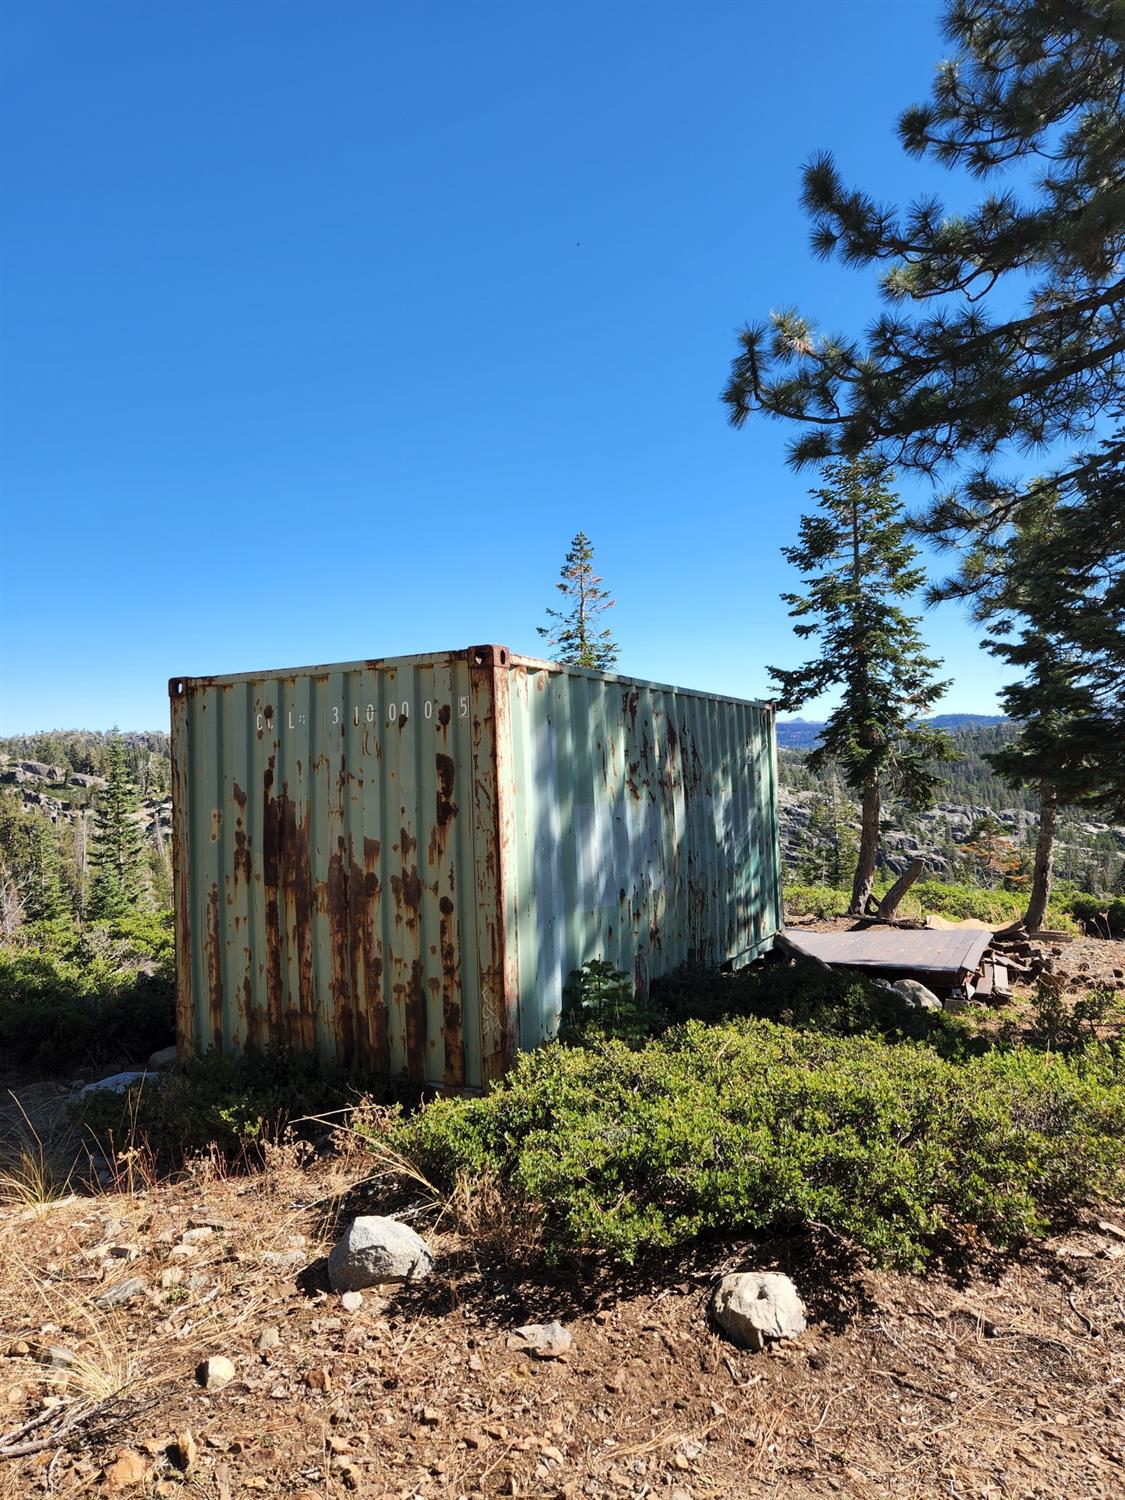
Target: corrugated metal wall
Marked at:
397, 863
337, 866
646, 830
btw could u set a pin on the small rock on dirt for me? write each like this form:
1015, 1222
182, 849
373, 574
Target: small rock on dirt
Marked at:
122, 1292
56, 1355
374, 1250
757, 1307
542, 1340
215, 1372
127, 1470
268, 1339
351, 1302
183, 1450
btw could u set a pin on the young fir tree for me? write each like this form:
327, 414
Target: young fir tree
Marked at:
576, 632
117, 850
1028, 595
1003, 326
857, 564
42, 888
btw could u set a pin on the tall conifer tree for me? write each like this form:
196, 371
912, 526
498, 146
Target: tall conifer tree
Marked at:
1028, 596
117, 849
1003, 328
576, 633
857, 565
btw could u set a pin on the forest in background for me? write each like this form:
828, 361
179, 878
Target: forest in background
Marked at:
982, 831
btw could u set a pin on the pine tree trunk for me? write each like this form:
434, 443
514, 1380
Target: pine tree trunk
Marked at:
1044, 858
868, 844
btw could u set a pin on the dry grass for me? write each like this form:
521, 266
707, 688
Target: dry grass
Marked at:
1006, 1383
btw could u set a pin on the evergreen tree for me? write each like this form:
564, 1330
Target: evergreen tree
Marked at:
1003, 329
857, 564
1023, 592
42, 888
575, 633
117, 850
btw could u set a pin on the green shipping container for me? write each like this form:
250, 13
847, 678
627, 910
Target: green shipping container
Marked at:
398, 863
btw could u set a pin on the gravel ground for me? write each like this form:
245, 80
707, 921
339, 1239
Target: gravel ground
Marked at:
983, 1379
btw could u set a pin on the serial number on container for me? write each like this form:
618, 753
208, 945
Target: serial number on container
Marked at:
395, 712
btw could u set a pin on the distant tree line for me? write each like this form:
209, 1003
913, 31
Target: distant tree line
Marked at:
93, 861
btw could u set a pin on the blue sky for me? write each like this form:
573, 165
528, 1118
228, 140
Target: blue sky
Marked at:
324, 328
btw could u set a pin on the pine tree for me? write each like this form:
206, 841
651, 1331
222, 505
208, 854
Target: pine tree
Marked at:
1026, 594
1003, 328
117, 850
857, 564
575, 633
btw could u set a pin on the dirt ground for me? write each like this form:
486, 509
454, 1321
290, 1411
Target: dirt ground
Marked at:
984, 1378
1002, 1381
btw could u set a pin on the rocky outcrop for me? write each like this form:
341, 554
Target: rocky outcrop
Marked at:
934, 832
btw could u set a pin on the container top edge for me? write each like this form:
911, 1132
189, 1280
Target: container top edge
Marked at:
185, 685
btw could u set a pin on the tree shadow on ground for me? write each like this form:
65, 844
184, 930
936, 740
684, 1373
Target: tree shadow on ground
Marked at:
501, 1292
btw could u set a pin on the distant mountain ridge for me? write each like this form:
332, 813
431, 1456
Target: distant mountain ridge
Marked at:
803, 734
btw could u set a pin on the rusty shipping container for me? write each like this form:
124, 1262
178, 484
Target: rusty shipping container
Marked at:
397, 863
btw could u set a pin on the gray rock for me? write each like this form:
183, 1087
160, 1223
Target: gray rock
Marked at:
543, 1340
915, 993
374, 1250
116, 1084
163, 1061
122, 1292
269, 1338
56, 1355
756, 1307
351, 1302
287, 1260
215, 1372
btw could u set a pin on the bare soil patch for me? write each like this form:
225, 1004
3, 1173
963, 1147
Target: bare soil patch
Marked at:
1005, 1379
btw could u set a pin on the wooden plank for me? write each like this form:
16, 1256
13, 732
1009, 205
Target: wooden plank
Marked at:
936, 951
984, 984
950, 953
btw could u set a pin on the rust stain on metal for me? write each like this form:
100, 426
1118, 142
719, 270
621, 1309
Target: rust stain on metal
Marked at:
215, 965
392, 902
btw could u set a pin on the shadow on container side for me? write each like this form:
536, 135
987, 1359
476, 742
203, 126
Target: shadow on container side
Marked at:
396, 863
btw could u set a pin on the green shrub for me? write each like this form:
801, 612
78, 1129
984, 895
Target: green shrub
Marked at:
837, 1002
815, 901
957, 903
600, 997
749, 1126
1100, 915
224, 1101
67, 1005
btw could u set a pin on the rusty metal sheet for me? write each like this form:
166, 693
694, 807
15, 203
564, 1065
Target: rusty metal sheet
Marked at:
900, 948
397, 862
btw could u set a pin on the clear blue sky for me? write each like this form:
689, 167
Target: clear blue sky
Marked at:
323, 328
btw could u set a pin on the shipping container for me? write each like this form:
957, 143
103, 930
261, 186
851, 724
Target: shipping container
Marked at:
398, 863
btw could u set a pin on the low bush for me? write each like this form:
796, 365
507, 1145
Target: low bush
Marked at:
749, 1126
73, 998
232, 1103
837, 1002
955, 902
1102, 916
